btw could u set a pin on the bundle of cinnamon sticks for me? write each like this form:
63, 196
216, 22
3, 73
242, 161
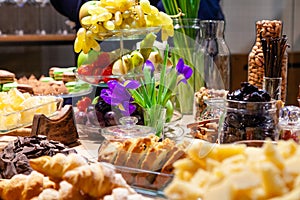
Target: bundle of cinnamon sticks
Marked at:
273, 51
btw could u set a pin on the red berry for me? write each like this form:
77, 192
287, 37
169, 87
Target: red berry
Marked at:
83, 104
295, 137
107, 72
103, 60
286, 135
85, 70
87, 100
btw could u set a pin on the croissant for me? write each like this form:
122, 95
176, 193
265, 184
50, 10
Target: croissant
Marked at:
124, 193
49, 166
54, 167
33, 185
94, 180
49, 194
12, 188
24, 187
68, 192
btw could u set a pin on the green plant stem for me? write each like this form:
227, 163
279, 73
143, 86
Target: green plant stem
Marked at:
162, 77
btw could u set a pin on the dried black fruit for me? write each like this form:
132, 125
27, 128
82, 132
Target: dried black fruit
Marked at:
250, 115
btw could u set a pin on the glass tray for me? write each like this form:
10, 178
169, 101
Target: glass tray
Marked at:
142, 186
19, 119
99, 80
127, 34
76, 94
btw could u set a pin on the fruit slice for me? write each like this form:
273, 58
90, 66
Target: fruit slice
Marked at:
16, 98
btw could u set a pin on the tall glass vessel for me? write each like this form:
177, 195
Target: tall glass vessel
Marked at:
213, 55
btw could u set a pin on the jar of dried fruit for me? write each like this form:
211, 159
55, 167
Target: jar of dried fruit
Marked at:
250, 114
256, 73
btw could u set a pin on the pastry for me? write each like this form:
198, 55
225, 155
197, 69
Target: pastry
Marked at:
68, 77
7, 86
48, 194
56, 166
58, 73
108, 151
33, 185
51, 71
124, 152
46, 79
124, 194
6, 76
156, 157
94, 179
68, 192
12, 188
24, 187
25, 88
153, 157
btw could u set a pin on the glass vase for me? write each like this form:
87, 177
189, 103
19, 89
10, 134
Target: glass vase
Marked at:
183, 45
273, 87
155, 117
213, 55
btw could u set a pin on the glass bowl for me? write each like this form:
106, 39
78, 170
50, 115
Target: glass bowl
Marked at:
249, 121
254, 143
101, 80
17, 119
127, 34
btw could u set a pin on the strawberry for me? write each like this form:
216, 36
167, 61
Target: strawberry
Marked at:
83, 104
85, 70
103, 60
107, 72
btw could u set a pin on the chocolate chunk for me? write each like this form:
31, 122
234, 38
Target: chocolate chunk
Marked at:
15, 156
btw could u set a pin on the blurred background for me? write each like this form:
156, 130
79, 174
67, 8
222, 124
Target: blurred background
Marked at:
38, 17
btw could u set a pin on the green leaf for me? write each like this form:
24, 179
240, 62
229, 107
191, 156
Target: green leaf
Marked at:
162, 75
138, 98
95, 100
147, 44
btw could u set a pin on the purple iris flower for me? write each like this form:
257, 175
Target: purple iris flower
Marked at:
118, 95
149, 65
184, 71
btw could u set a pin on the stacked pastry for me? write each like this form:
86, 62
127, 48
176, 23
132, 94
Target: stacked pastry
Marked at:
67, 178
145, 161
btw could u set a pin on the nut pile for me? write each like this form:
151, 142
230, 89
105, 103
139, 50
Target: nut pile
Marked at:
201, 96
265, 29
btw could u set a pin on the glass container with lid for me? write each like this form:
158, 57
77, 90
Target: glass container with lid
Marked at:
289, 123
127, 129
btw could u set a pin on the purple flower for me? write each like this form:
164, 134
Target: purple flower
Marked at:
118, 95
184, 71
149, 65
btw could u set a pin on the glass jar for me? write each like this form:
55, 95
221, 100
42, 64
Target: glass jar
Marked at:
213, 55
214, 109
289, 123
207, 98
183, 45
127, 129
249, 121
256, 73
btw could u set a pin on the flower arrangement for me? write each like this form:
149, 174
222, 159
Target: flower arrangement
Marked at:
149, 92
186, 29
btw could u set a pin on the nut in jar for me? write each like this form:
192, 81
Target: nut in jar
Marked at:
256, 72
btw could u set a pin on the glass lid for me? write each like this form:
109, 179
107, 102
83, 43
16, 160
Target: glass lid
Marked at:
127, 129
